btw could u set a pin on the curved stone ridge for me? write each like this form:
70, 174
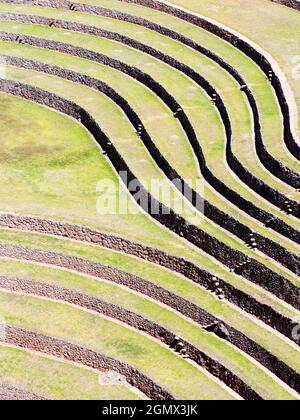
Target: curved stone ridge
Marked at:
31, 340
238, 262
242, 45
135, 321
10, 393
175, 264
278, 169
269, 193
267, 246
293, 4
280, 369
247, 267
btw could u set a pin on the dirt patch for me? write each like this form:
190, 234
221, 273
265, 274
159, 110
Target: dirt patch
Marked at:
10, 393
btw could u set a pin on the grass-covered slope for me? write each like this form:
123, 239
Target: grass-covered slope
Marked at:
199, 310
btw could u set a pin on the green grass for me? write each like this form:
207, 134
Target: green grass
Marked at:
133, 92
273, 27
122, 134
209, 128
214, 148
202, 261
111, 339
175, 283
229, 356
233, 98
96, 104
38, 189
111, 120
36, 165
55, 379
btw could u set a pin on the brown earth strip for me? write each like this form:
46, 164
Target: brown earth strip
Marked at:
156, 256
204, 319
238, 262
10, 393
136, 321
31, 340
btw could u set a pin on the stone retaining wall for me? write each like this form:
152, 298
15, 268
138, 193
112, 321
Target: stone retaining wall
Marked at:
276, 168
269, 247
246, 48
284, 173
249, 268
258, 185
58, 348
135, 321
294, 4
179, 304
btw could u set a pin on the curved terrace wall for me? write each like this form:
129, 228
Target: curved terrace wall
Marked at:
284, 372
238, 229
10, 393
258, 185
248, 268
293, 4
175, 264
135, 321
245, 47
52, 346
277, 168
269, 161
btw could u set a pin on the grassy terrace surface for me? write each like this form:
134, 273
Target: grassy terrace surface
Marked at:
54, 379
271, 121
37, 188
69, 90
112, 339
263, 335
72, 158
212, 139
70, 173
282, 44
264, 23
238, 363
50, 167
132, 91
